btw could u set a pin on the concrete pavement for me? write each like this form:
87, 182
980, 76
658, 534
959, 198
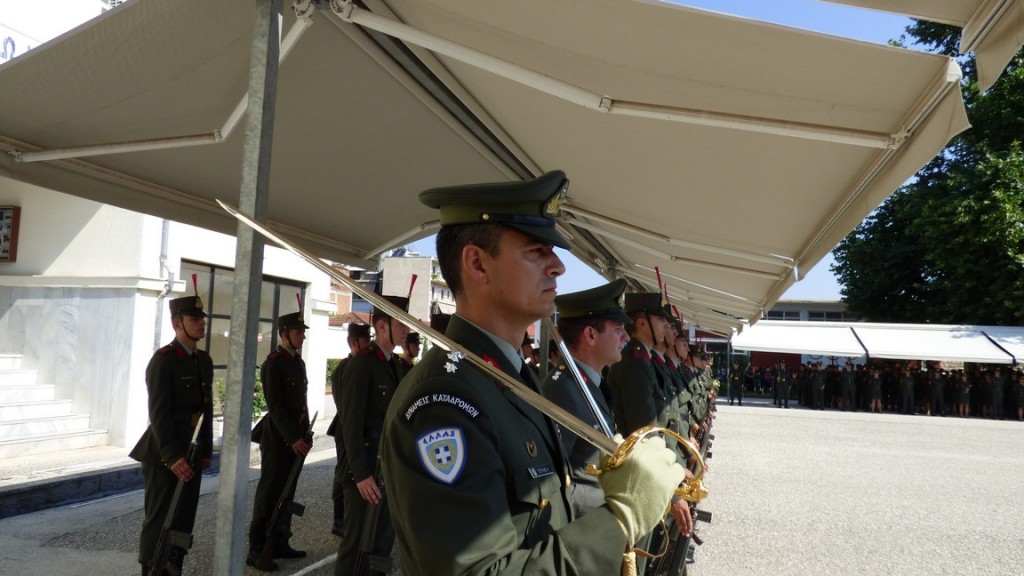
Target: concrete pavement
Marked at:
794, 492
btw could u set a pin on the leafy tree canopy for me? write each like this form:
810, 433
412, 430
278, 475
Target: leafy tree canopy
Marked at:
948, 247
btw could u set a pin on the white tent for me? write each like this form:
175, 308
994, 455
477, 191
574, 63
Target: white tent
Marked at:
992, 29
730, 154
983, 344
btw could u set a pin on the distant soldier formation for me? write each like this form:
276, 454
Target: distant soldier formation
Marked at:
899, 387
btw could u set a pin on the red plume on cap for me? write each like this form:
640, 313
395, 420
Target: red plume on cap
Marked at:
411, 284
678, 314
298, 300
195, 284
661, 287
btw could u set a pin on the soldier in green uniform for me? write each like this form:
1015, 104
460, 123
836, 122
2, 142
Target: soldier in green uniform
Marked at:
358, 339
476, 476
282, 437
368, 385
906, 391
637, 387
178, 379
592, 324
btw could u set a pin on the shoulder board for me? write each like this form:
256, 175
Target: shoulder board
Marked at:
165, 349
274, 354
640, 353
364, 352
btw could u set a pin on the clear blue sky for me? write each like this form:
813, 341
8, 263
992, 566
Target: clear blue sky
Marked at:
824, 17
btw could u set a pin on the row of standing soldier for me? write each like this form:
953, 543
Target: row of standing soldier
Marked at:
475, 478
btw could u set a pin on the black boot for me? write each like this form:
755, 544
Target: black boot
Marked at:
253, 559
284, 550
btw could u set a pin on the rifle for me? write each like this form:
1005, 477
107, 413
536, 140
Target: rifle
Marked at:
170, 537
285, 505
678, 550
366, 560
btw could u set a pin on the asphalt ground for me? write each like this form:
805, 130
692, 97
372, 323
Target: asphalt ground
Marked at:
802, 492
792, 492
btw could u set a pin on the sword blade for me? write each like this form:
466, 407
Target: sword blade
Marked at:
549, 408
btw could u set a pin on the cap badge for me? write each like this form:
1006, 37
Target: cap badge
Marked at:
554, 205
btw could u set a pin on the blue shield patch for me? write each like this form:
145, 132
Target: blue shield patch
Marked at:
443, 453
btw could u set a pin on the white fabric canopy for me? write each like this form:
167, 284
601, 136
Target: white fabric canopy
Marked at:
731, 155
1009, 339
992, 29
983, 344
810, 338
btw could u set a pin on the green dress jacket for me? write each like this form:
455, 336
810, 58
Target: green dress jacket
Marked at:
283, 377
367, 387
562, 389
638, 395
180, 389
476, 478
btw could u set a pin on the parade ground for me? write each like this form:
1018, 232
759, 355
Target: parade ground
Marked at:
793, 492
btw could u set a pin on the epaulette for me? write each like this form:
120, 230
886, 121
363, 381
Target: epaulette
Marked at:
364, 352
640, 353
165, 349
274, 354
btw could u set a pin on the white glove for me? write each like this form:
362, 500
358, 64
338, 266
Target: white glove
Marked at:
639, 490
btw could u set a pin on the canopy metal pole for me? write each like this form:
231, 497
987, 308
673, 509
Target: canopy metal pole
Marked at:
233, 497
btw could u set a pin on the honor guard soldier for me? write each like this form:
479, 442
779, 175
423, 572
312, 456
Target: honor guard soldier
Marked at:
476, 476
281, 434
591, 323
358, 340
368, 385
637, 387
179, 381
412, 348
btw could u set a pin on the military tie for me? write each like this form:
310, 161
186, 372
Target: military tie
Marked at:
526, 375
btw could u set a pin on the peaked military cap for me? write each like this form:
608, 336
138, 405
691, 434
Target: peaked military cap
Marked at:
356, 330
290, 321
600, 302
187, 306
529, 206
413, 338
399, 301
649, 302
439, 321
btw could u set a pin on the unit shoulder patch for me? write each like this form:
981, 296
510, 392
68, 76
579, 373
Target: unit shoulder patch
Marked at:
442, 453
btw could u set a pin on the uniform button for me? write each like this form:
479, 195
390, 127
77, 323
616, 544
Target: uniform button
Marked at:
543, 503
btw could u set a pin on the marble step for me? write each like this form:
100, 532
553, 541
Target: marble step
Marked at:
32, 410
14, 429
48, 443
17, 378
33, 393
10, 362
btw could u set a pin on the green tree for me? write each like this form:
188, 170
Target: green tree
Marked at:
949, 246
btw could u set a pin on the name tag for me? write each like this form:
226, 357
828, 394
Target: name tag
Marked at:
541, 471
